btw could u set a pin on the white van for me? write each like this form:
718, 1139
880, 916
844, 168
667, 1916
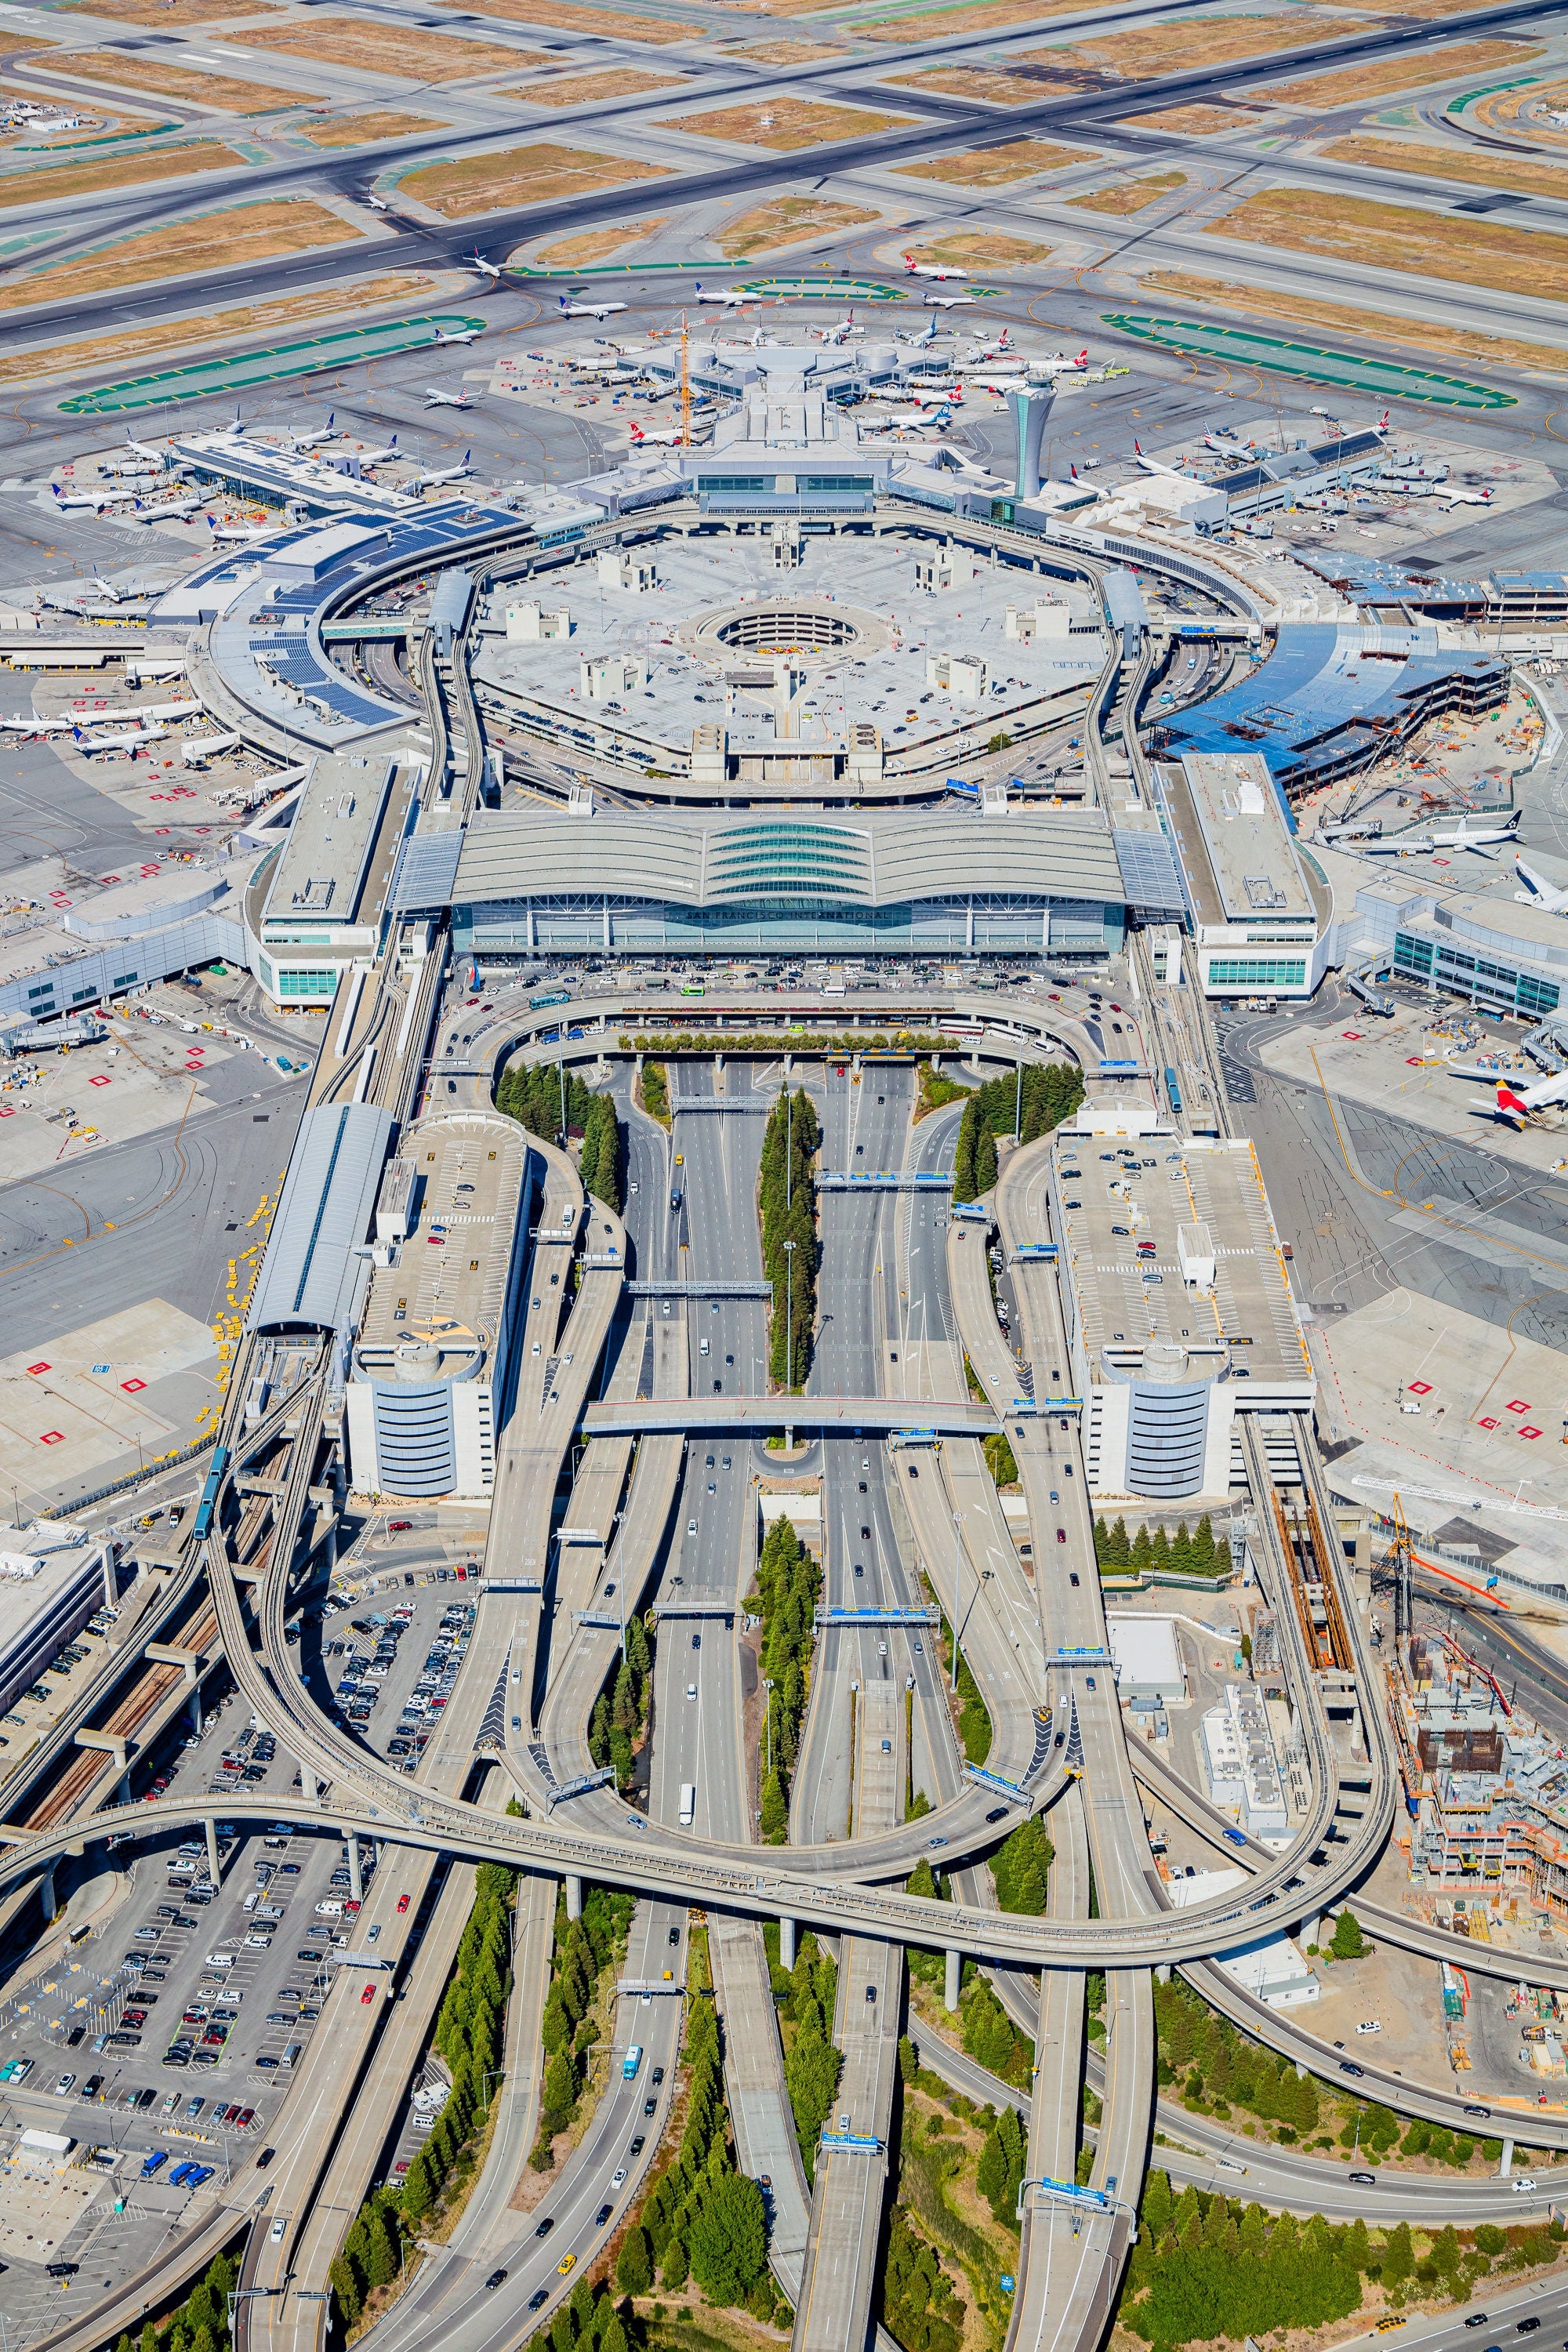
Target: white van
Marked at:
219, 1960
687, 1803
330, 1909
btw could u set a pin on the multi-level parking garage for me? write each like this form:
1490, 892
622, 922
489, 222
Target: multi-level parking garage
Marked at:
444, 1302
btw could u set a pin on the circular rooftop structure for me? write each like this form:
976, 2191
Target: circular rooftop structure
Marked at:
787, 629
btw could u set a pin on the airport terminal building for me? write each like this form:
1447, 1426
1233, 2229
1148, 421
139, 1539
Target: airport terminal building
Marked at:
527, 882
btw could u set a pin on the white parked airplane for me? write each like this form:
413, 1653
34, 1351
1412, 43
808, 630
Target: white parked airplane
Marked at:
1540, 892
177, 510
439, 474
463, 335
378, 456
95, 500
329, 432
949, 302
727, 295
837, 333
490, 269
674, 440
1001, 349
914, 420
434, 398
1464, 835
1060, 363
1467, 497
932, 395
230, 532
931, 269
88, 744
927, 334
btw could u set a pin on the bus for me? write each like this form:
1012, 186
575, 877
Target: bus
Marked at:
630, 2063
555, 996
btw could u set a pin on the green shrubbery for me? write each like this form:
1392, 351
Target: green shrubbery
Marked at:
532, 1096
1228, 2069
1003, 2160
1050, 1092
788, 1582
920, 2309
620, 1713
656, 1091
1019, 1867
1204, 2268
789, 1214
1198, 1554
592, 2321
991, 2037
470, 2035
201, 2321
999, 1458
934, 1090
806, 1993
585, 1948
974, 1727
701, 2219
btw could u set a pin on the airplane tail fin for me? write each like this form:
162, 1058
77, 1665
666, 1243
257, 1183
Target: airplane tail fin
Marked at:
1509, 1103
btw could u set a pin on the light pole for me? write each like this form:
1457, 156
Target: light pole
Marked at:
957, 1557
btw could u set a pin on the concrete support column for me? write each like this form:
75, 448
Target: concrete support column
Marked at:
47, 1898
111, 1578
196, 1710
574, 1896
954, 1975
786, 1943
309, 1786
122, 1794
1505, 2167
356, 1872
1311, 1930
210, 1825
1163, 1972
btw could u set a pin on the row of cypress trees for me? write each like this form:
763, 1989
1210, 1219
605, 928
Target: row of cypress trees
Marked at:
788, 1200
534, 1094
788, 1582
620, 1714
1047, 1093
